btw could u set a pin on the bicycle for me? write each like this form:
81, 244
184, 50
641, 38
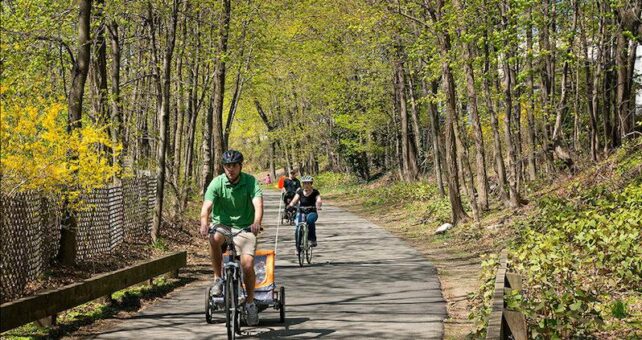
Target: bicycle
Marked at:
287, 215
303, 248
232, 286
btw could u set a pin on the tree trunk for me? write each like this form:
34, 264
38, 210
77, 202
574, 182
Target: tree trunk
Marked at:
116, 105
100, 67
181, 115
272, 155
562, 107
192, 115
414, 115
622, 96
164, 121
512, 179
458, 213
532, 167
514, 200
576, 113
408, 158
270, 127
467, 174
434, 134
207, 173
605, 87
593, 83
480, 158
497, 146
219, 88
238, 88
547, 76
80, 68
630, 84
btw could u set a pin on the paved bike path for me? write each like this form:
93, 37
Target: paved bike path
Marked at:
363, 283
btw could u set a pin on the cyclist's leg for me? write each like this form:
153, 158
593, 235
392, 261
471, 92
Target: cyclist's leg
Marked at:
296, 237
247, 263
216, 254
246, 247
311, 219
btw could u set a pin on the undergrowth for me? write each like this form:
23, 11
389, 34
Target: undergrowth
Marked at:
582, 260
581, 254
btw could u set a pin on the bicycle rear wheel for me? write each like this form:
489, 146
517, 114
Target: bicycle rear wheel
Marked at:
308, 253
208, 306
282, 304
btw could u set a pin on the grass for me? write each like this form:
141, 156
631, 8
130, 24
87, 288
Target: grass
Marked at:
160, 244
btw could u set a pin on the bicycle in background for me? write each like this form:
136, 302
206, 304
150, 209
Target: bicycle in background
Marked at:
303, 247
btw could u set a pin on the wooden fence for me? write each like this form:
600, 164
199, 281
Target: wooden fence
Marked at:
49, 303
504, 323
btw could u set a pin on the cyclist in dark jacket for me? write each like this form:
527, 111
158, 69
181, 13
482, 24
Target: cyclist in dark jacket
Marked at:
290, 187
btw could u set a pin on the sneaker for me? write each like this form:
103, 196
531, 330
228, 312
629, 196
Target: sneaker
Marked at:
217, 288
313, 243
252, 318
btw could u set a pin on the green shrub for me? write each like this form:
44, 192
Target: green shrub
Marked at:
482, 299
583, 263
330, 181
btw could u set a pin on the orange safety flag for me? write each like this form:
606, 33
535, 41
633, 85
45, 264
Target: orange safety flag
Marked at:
281, 182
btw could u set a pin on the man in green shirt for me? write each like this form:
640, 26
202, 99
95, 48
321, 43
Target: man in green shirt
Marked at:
234, 200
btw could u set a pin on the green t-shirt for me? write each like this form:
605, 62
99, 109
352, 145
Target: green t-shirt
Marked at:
232, 204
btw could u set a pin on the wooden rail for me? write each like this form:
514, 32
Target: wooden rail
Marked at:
48, 303
504, 323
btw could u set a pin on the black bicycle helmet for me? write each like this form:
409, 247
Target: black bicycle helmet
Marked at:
232, 156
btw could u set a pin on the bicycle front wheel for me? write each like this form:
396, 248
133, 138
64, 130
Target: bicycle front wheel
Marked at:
208, 306
306, 245
298, 239
231, 305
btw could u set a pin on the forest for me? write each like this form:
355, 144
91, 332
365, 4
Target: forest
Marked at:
484, 100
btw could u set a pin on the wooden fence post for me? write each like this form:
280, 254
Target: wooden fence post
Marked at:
47, 321
504, 323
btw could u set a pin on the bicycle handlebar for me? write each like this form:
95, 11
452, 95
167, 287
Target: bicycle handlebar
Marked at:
214, 228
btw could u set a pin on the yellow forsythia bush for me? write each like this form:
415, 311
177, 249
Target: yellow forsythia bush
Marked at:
36, 148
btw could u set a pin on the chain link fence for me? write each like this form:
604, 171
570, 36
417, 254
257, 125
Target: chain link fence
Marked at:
31, 228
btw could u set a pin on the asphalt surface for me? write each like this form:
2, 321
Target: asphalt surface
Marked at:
363, 283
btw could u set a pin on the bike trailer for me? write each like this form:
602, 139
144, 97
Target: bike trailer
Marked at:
264, 270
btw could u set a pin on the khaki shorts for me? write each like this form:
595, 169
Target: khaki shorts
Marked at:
245, 242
